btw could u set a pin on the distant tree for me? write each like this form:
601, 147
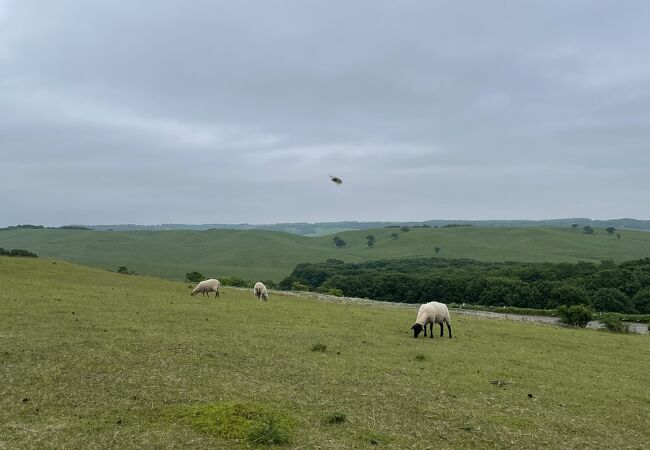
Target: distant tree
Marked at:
338, 241
610, 230
371, 240
618, 235
437, 249
124, 271
587, 229
641, 301
574, 226
194, 277
405, 229
394, 235
610, 300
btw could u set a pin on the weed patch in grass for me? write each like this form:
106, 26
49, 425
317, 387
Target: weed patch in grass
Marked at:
420, 357
336, 417
257, 424
319, 347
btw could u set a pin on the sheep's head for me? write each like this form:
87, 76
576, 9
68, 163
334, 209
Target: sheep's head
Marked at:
192, 294
417, 329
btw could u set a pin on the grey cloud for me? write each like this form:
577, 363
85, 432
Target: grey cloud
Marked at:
495, 109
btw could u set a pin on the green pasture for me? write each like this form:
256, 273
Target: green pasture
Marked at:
92, 359
256, 254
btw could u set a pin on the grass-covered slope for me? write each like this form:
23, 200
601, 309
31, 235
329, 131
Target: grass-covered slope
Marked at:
259, 254
92, 359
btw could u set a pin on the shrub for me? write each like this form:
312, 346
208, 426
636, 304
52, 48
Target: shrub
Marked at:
235, 281
17, 252
298, 286
613, 323
194, 277
125, 271
575, 315
330, 291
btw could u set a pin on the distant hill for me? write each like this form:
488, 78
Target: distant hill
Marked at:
264, 254
325, 228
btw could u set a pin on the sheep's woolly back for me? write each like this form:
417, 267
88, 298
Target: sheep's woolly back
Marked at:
433, 312
260, 291
210, 285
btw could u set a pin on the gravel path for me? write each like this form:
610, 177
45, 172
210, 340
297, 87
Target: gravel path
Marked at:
635, 327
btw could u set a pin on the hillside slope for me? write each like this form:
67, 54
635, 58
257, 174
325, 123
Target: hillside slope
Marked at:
257, 254
92, 359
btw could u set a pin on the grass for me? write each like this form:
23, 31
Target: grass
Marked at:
92, 359
259, 255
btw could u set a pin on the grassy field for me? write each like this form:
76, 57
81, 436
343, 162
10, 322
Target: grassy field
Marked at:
272, 255
92, 359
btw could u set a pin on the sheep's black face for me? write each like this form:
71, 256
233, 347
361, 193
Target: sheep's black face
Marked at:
417, 329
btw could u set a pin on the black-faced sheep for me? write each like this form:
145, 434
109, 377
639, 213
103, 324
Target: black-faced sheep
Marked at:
260, 291
430, 313
207, 286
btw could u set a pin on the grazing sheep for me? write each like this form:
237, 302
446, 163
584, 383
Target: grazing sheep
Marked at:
430, 313
260, 291
207, 286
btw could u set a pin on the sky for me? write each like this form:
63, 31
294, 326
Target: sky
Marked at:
161, 111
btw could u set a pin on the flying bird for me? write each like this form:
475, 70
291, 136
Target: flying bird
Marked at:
337, 180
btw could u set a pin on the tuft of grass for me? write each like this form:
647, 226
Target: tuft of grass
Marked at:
420, 357
270, 431
336, 417
319, 347
256, 423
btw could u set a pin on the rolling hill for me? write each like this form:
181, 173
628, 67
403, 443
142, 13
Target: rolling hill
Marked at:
92, 359
260, 254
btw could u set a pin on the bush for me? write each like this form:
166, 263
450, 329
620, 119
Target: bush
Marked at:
194, 277
575, 315
17, 252
297, 286
330, 291
235, 281
613, 323
125, 271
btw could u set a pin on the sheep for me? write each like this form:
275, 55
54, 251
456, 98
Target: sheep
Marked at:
207, 286
260, 291
430, 313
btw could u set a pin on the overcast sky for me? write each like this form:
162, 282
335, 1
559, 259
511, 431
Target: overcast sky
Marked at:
224, 112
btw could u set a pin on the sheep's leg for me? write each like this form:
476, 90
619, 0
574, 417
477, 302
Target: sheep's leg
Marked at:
448, 328
431, 330
425, 330
441, 333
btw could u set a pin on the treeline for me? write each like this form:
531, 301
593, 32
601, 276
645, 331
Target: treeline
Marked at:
17, 252
606, 286
41, 227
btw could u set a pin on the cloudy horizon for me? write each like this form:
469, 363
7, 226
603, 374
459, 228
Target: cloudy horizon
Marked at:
238, 112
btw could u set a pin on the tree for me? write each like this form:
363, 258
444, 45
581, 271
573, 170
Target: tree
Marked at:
124, 271
574, 226
371, 240
338, 241
394, 235
575, 315
587, 229
618, 235
437, 249
194, 277
610, 300
405, 229
610, 230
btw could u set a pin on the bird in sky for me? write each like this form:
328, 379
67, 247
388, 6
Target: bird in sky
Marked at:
337, 180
